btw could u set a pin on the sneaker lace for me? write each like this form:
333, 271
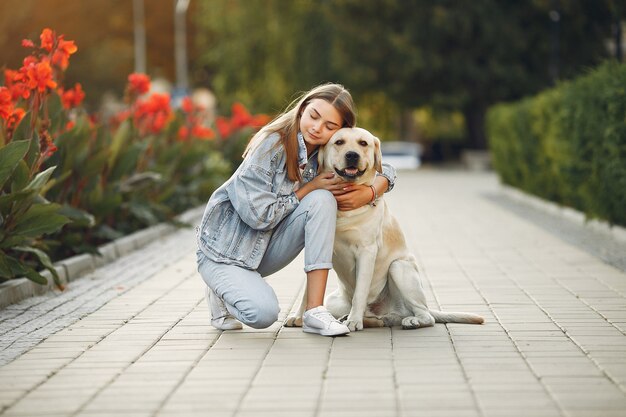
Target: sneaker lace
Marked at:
325, 316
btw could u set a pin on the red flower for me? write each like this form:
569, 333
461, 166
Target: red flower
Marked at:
202, 132
14, 81
260, 120
138, 84
73, 97
69, 125
46, 145
27, 43
47, 39
152, 115
61, 56
187, 105
15, 118
241, 116
183, 133
197, 131
223, 126
38, 75
6, 103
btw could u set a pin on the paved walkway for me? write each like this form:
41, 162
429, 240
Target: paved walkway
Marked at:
133, 339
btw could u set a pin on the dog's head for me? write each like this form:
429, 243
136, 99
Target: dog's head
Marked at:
352, 153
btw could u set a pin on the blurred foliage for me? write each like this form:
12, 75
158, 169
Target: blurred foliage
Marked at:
451, 54
104, 31
568, 144
70, 181
394, 55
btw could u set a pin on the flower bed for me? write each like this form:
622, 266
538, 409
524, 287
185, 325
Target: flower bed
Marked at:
70, 181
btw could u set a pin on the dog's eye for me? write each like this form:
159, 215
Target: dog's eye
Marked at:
363, 143
340, 142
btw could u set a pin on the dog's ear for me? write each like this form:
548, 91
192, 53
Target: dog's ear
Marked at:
378, 155
320, 159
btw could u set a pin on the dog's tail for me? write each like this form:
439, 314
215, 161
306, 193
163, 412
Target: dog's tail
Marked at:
450, 317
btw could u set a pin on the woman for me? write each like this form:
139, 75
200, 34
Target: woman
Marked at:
258, 221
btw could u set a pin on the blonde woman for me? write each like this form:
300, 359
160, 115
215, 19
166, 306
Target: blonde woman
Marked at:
274, 205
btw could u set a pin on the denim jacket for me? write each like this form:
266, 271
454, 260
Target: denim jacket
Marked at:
241, 215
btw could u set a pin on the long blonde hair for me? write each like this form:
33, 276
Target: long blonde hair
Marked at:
287, 123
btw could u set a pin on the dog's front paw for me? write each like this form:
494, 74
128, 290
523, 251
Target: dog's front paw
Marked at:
293, 321
354, 325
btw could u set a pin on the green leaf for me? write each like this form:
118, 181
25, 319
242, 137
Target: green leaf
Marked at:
40, 180
14, 240
40, 219
22, 130
21, 175
35, 276
143, 212
121, 138
15, 197
78, 217
44, 259
54, 182
5, 269
33, 150
15, 267
56, 112
10, 157
127, 161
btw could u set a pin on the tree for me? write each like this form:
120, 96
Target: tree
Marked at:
450, 54
262, 51
464, 55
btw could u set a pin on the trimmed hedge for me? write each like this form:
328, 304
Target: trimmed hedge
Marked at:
568, 144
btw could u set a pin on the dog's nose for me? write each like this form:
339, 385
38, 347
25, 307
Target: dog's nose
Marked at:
352, 158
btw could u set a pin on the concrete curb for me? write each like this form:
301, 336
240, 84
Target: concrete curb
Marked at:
616, 232
76, 267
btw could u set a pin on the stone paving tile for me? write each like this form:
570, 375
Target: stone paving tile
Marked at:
134, 338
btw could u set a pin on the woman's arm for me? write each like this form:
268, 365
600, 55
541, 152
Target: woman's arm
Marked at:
359, 195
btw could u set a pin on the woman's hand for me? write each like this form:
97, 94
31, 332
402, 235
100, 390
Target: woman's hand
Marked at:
325, 181
329, 181
355, 196
358, 195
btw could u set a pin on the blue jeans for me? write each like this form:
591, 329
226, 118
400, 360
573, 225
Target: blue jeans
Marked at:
245, 293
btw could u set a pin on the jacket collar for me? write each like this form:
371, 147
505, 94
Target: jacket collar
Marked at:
302, 157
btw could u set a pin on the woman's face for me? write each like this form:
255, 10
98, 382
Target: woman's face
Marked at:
319, 121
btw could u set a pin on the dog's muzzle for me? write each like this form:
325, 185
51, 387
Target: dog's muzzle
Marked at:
351, 171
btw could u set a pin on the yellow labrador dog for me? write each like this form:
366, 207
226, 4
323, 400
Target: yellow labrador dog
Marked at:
379, 284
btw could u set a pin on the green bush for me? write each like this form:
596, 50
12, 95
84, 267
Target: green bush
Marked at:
568, 144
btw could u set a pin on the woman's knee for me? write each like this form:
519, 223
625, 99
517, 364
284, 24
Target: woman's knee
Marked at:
322, 200
261, 316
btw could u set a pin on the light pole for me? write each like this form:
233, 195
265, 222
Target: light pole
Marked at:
140, 36
180, 49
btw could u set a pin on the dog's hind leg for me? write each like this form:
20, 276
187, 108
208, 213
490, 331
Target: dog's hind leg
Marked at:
338, 304
405, 280
295, 320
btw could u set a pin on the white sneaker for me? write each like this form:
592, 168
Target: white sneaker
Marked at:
220, 317
319, 320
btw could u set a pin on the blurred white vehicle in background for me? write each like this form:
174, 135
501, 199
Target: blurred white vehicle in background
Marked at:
402, 155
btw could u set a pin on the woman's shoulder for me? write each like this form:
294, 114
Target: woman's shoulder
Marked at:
266, 144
